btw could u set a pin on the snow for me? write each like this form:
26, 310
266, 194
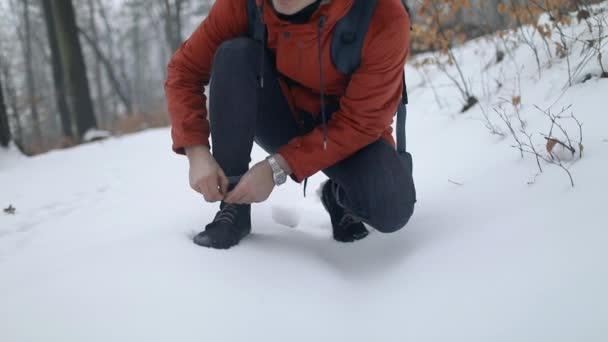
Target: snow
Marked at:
95, 134
10, 155
288, 217
99, 248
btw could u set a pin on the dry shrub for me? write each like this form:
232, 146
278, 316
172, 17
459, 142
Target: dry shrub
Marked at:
556, 39
138, 122
437, 26
433, 33
66, 142
158, 119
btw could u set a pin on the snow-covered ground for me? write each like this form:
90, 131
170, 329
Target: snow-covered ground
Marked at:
99, 247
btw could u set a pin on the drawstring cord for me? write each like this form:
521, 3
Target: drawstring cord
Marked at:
322, 82
321, 79
260, 10
322, 89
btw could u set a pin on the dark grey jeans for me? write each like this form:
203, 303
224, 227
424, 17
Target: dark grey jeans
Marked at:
375, 183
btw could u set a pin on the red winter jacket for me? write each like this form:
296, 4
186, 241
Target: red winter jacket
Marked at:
368, 98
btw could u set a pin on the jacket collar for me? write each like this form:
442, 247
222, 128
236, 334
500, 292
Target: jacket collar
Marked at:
332, 10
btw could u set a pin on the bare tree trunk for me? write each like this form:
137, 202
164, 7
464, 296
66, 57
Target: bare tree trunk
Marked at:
124, 98
178, 23
5, 131
101, 102
173, 23
74, 69
169, 27
137, 79
158, 25
109, 36
29, 71
62, 105
10, 98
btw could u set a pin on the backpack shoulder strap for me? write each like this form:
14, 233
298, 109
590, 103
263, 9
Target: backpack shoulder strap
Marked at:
349, 34
346, 48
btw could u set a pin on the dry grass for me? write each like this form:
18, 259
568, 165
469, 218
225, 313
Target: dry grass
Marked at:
138, 122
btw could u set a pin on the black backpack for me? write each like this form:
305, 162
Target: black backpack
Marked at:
346, 46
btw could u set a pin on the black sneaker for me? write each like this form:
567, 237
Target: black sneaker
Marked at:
346, 226
230, 225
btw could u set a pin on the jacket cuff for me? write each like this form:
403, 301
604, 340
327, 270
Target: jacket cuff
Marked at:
288, 153
180, 144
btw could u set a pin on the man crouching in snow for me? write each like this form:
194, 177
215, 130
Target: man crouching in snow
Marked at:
274, 80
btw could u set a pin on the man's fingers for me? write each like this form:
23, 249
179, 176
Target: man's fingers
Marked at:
205, 187
247, 200
237, 194
202, 186
224, 182
213, 192
233, 195
213, 188
196, 187
241, 198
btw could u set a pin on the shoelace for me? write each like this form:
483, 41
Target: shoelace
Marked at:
227, 214
348, 218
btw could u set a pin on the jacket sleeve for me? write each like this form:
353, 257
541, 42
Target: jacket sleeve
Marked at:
189, 71
368, 105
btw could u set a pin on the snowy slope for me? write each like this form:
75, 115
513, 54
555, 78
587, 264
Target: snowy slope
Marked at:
99, 248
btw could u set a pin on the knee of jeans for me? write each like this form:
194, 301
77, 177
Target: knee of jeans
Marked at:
387, 208
394, 217
236, 52
390, 208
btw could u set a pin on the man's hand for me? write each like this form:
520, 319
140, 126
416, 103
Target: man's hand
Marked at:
254, 187
206, 176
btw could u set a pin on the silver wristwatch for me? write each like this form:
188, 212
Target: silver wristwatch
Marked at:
278, 175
